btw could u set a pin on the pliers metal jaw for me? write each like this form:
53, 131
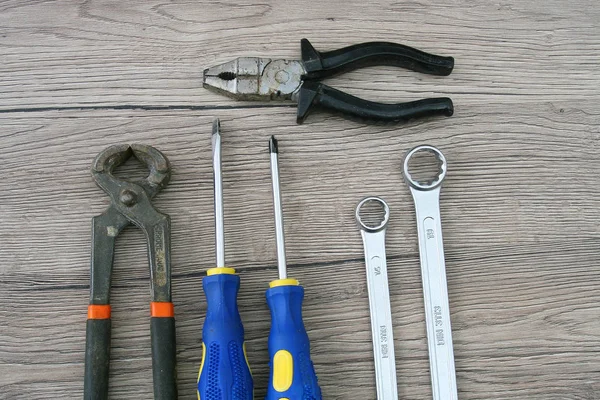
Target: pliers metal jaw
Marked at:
131, 204
254, 78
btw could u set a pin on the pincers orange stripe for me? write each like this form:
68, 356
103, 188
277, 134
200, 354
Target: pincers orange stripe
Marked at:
99, 311
162, 309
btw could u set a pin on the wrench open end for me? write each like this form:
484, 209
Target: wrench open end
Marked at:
431, 182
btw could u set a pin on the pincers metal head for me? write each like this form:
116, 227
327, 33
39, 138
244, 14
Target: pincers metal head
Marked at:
255, 78
131, 204
109, 159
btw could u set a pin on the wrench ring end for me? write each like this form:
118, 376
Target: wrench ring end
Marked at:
437, 181
386, 217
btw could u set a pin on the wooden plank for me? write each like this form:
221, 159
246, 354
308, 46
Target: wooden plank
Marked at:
520, 225
143, 53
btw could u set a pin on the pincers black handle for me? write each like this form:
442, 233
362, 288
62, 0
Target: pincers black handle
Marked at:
97, 359
321, 65
317, 95
164, 370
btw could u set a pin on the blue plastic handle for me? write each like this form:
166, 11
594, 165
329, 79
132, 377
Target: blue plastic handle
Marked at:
292, 375
224, 373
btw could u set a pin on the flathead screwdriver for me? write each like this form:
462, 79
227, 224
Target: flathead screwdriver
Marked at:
224, 372
292, 373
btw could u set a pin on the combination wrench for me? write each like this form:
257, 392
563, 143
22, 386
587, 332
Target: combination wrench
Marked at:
426, 196
379, 301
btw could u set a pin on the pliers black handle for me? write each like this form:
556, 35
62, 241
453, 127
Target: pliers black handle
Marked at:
321, 65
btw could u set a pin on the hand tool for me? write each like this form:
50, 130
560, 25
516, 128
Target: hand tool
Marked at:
292, 374
131, 205
433, 269
373, 236
254, 78
224, 372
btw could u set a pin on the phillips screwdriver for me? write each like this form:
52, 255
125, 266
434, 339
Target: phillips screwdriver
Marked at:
224, 372
292, 375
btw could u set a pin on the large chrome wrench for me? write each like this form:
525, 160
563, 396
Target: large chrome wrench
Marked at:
433, 269
379, 302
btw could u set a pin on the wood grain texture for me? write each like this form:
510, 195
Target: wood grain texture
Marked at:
519, 206
103, 53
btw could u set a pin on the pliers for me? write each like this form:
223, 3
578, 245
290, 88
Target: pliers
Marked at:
130, 205
254, 78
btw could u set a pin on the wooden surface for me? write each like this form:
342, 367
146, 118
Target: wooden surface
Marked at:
519, 207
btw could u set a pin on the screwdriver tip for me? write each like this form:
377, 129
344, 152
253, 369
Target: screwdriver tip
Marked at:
273, 145
216, 129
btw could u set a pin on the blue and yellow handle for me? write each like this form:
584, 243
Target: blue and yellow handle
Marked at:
224, 372
293, 375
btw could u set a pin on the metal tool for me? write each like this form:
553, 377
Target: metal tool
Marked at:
433, 269
277, 209
379, 301
224, 372
218, 194
292, 373
254, 78
131, 205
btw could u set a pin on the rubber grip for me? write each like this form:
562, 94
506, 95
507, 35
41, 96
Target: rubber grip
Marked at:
164, 372
317, 95
224, 373
321, 65
287, 338
97, 359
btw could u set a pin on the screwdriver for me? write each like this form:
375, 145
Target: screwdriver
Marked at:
224, 372
292, 375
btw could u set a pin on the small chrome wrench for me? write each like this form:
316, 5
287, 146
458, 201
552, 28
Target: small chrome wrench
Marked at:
433, 269
379, 302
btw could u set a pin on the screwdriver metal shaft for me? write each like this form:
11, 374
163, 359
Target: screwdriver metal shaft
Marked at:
292, 372
218, 189
279, 232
